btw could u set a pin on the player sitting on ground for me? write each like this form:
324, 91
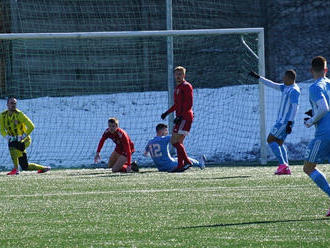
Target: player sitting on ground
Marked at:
120, 159
16, 127
285, 118
158, 148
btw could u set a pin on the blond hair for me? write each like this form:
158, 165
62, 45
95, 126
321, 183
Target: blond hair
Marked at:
180, 68
113, 120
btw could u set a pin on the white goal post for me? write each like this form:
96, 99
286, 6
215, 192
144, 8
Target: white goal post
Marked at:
259, 56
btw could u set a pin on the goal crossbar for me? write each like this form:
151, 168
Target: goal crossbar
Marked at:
119, 34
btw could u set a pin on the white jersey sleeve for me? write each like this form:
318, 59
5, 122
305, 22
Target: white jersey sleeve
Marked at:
270, 83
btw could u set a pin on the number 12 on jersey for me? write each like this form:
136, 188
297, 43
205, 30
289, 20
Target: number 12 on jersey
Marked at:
155, 150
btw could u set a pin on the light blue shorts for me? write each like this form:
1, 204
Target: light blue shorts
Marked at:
279, 131
169, 166
318, 150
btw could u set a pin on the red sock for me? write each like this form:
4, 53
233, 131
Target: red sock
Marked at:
182, 155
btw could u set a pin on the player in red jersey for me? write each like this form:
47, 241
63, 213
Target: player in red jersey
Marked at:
183, 102
120, 159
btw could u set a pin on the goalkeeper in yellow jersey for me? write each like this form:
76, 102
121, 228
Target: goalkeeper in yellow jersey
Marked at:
16, 127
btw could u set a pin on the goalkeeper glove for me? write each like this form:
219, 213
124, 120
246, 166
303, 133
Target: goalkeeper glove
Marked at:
177, 120
11, 138
254, 74
163, 116
289, 127
309, 113
308, 122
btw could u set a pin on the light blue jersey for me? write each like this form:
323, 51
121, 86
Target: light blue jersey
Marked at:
289, 100
159, 151
290, 96
288, 106
319, 90
319, 148
158, 148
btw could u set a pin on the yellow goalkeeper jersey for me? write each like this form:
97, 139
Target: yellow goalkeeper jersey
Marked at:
15, 124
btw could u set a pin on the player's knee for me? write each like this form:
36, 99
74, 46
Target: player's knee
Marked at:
23, 162
270, 139
308, 167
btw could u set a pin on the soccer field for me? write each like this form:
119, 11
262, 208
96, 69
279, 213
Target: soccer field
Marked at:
216, 207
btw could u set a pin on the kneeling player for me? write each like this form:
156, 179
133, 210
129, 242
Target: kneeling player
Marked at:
16, 127
120, 159
158, 148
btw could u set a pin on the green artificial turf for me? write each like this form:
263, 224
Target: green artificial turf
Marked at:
216, 207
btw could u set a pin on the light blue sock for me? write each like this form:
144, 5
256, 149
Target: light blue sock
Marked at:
194, 161
320, 180
277, 151
284, 153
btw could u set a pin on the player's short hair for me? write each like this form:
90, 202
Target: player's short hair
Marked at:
180, 68
291, 74
10, 97
113, 120
319, 63
160, 126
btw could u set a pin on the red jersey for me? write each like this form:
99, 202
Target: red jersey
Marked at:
183, 101
124, 145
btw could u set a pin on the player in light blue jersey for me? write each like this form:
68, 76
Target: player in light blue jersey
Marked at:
318, 149
158, 148
285, 117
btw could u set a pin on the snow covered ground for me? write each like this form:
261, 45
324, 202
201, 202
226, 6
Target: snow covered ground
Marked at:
226, 125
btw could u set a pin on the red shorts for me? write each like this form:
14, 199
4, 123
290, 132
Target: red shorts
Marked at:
183, 127
121, 151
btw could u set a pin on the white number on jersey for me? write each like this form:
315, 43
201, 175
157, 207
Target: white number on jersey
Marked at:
155, 151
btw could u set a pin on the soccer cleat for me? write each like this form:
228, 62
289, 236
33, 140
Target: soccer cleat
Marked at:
47, 168
182, 169
328, 213
135, 166
283, 169
202, 161
13, 172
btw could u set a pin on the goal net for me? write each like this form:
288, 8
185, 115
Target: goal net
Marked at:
69, 84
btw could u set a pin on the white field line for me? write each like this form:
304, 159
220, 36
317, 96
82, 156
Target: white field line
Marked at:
256, 188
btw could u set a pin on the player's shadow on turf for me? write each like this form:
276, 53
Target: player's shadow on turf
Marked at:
251, 223
108, 173
127, 174
220, 178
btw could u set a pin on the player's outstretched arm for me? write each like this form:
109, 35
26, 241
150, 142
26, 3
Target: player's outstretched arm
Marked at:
266, 81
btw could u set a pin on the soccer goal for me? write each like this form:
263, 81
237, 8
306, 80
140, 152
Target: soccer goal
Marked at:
69, 84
